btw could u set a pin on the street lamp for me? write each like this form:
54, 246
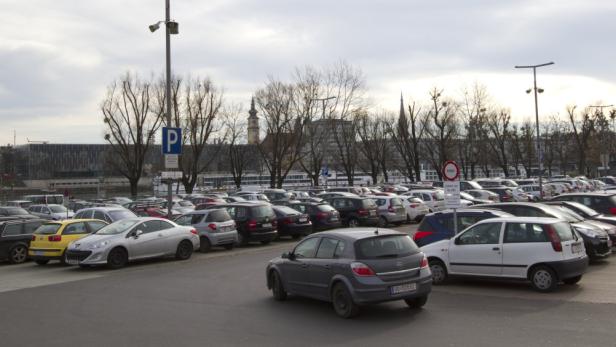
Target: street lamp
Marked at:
171, 28
537, 90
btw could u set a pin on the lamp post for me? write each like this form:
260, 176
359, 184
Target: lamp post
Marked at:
171, 27
539, 151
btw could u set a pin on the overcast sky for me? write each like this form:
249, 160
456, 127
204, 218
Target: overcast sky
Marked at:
58, 56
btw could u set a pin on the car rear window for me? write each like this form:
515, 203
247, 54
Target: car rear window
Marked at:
564, 231
325, 208
396, 202
390, 246
218, 216
368, 203
286, 210
262, 211
57, 209
15, 211
47, 229
119, 214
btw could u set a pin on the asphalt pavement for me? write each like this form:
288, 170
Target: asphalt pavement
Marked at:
220, 299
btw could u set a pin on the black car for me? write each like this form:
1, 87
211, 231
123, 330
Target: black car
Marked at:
291, 222
256, 222
15, 236
322, 215
601, 202
596, 241
355, 211
607, 223
14, 211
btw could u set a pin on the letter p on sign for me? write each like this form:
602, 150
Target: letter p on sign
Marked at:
172, 140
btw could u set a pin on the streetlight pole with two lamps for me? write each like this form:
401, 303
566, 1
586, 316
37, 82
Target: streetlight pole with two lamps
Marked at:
537, 90
171, 28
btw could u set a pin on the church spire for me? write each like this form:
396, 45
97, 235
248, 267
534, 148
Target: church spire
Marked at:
402, 106
253, 110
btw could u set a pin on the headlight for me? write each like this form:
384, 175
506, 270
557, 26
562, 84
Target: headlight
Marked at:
588, 232
99, 245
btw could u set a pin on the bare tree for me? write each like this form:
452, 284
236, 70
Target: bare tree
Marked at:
132, 117
498, 128
238, 152
473, 110
441, 130
373, 145
406, 135
523, 145
582, 125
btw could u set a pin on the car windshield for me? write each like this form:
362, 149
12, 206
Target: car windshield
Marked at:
57, 208
389, 246
121, 214
287, 210
466, 196
262, 211
184, 203
562, 213
48, 229
117, 227
573, 217
15, 211
581, 209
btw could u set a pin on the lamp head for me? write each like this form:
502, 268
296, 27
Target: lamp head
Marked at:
528, 91
173, 27
540, 90
154, 27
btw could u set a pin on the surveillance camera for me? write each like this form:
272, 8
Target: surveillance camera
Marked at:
539, 90
154, 27
528, 91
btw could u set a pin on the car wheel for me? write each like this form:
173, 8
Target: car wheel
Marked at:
18, 254
241, 240
543, 279
353, 223
408, 219
266, 242
277, 288
382, 222
64, 259
42, 261
228, 246
205, 245
439, 272
117, 258
418, 302
572, 280
343, 302
296, 236
184, 250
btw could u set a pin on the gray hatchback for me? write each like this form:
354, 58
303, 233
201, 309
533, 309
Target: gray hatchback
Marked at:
215, 227
351, 267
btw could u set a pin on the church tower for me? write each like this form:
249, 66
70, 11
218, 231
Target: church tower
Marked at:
253, 124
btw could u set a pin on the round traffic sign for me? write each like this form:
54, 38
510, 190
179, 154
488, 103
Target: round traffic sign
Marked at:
451, 170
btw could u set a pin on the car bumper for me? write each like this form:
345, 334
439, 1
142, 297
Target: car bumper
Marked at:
222, 238
262, 236
45, 254
368, 221
324, 225
598, 248
381, 292
570, 268
394, 217
86, 257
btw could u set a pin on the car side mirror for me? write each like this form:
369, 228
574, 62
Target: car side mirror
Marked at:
457, 241
137, 233
288, 255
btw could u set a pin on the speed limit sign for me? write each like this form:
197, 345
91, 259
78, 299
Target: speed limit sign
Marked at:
451, 171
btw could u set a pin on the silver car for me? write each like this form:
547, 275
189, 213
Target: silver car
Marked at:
51, 212
215, 227
132, 239
390, 210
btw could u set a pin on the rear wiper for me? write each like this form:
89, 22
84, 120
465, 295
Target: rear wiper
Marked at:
387, 256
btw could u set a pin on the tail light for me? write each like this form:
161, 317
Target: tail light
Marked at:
322, 215
212, 226
361, 269
554, 239
363, 212
274, 223
424, 263
421, 234
413, 205
33, 237
252, 224
55, 238
194, 231
613, 210
287, 220
391, 209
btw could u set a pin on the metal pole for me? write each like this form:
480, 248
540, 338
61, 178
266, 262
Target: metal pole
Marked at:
168, 94
539, 156
455, 221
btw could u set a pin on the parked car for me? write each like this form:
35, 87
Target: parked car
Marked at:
484, 194
596, 241
14, 211
15, 236
590, 215
108, 214
181, 206
464, 185
435, 198
274, 195
132, 239
291, 222
51, 212
575, 184
353, 267
415, 208
536, 193
505, 194
439, 225
602, 202
389, 209
355, 211
608, 228
329, 195
50, 240
545, 251
611, 180
473, 200
496, 182
214, 226
322, 215
354, 190
234, 199
254, 197
19, 203
255, 222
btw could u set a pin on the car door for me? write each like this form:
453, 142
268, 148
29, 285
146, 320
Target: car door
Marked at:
321, 268
477, 251
148, 244
169, 237
524, 244
296, 271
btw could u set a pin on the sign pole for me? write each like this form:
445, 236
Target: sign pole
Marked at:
451, 185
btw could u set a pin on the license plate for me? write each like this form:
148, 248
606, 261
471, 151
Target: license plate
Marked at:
334, 219
39, 252
303, 220
373, 213
267, 225
403, 288
576, 248
72, 262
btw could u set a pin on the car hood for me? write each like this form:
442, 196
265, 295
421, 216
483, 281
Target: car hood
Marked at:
610, 229
94, 239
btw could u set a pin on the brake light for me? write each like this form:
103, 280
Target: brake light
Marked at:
413, 205
194, 231
613, 210
252, 224
421, 234
363, 212
424, 263
33, 237
287, 220
212, 226
554, 239
55, 238
322, 215
391, 208
361, 269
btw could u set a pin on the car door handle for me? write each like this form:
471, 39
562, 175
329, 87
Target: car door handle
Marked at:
496, 249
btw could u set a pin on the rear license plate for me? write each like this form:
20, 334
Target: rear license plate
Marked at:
303, 220
334, 219
403, 288
373, 213
267, 225
39, 252
576, 248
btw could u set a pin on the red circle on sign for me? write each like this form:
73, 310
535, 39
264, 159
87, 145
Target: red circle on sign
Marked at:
450, 167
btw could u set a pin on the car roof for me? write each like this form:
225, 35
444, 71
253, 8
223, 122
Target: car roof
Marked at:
589, 194
473, 210
71, 221
104, 208
244, 204
539, 220
353, 234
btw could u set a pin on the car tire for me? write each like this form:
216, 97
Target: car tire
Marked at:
184, 250
353, 223
418, 302
42, 261
18, 254
572, 280
266, 242
343, 302
63, 259
229, 246
278, 291
408, 219
296, 236
205, 245
117, 258
543, 279
241, 240
382, 222
439, 272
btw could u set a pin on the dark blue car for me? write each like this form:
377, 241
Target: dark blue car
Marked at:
439, 225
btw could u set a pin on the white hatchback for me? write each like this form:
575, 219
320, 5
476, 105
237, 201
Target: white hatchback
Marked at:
544, 251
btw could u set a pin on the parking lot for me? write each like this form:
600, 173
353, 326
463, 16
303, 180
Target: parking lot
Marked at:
220, 298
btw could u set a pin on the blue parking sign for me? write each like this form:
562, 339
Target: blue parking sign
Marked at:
172, 140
